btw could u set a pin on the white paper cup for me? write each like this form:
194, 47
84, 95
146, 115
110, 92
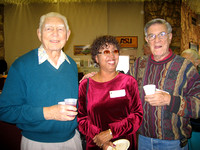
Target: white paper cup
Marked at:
61, 103
149, 89
71, 101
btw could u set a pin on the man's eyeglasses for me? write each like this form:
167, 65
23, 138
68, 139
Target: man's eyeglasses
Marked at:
161, 35
108, 52
51, 28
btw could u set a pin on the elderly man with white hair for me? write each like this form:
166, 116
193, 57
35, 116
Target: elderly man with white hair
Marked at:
36, 83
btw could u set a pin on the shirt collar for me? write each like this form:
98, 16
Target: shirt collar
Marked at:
42, 56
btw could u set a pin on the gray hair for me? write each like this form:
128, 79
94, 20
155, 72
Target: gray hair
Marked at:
192, 53
53, 14
157, 21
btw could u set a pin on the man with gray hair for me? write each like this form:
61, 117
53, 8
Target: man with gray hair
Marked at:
36, 84
167, 112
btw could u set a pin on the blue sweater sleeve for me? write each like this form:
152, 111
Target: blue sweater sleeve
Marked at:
13, 106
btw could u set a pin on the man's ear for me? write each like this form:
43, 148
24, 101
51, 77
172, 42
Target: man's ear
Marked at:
68, 34
146, 39
39, 34
170, 37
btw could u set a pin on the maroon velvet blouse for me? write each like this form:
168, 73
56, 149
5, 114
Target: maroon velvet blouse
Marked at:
122, 114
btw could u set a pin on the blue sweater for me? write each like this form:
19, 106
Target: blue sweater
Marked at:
29, 87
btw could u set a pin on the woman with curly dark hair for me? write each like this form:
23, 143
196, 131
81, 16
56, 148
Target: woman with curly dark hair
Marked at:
110, 108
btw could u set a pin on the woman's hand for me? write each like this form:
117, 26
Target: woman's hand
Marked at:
103, 137
88, 75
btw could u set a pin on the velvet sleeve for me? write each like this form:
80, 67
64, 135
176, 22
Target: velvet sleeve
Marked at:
132, 122
84, 124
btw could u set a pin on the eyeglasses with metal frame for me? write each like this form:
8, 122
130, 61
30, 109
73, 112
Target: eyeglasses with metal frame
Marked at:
161, 35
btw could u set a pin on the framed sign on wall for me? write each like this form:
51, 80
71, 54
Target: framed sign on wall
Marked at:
128, 41
82, 49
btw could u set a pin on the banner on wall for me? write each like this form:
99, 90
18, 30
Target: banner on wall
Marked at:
128, 41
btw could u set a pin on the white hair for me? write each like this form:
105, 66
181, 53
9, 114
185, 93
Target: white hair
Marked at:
157, 21
193, 54
53, 14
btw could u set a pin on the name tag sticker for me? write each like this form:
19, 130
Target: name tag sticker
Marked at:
117, 93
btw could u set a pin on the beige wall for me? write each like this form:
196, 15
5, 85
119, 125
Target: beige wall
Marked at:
86, 21
127, 19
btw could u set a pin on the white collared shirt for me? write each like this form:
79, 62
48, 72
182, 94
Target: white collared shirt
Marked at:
42, 57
